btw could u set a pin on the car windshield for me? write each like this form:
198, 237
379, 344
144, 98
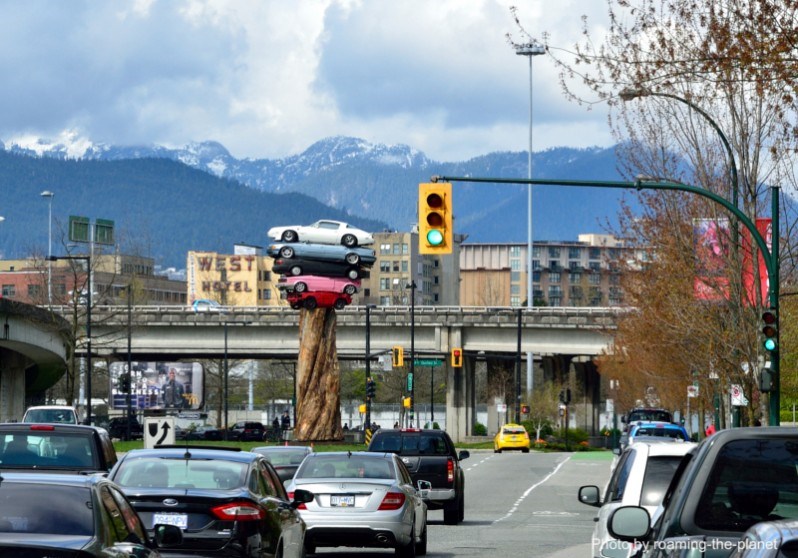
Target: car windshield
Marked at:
45, 509
513, 430
751, 481
411, 444
158, 472
285, 457
345, 466
660, 432
45, 448
66, 416
650, 414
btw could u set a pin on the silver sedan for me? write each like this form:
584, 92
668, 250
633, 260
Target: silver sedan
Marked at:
323, 252
362, 499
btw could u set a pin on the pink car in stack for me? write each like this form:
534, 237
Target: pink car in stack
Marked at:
317, 283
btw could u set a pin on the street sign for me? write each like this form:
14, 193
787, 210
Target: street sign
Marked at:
738, 398
159, 431
427, 362
692, 391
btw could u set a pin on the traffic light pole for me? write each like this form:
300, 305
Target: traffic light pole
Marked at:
769, 255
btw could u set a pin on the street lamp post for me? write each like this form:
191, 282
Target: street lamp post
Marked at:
368, 362
87, 259
412, 287
49, 195
226, 385
530, 50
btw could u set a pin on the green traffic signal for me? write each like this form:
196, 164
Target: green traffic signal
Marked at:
770, 330
435, 237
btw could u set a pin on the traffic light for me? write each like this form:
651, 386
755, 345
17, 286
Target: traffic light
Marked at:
457, 358
371, 389
398, 355
770, 330
565, 396
435, 218
407, 402
124, 383
765, 379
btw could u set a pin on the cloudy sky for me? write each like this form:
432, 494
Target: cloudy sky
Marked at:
267, 78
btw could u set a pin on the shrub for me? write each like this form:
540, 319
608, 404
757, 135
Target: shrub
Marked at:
479, 429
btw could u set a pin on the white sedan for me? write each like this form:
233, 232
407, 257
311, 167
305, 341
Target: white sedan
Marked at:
323, 232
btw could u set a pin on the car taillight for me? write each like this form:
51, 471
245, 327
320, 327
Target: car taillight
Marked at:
450, 470
238, 511
300, 506
392, 501
42, 427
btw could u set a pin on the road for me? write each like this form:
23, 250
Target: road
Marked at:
517, 505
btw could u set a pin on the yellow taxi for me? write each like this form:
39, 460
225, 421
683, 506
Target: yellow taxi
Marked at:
511, 437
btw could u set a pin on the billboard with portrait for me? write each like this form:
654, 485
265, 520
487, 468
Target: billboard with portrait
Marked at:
158, 385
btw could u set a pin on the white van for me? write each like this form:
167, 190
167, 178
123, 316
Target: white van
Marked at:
53, 414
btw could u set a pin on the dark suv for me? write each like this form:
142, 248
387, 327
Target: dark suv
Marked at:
117, 428
247, 431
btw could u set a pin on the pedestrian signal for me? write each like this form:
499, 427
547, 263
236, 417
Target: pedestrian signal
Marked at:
457, 358
398, 359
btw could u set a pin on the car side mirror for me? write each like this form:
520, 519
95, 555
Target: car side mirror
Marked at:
590, 495
629, 523
301, 496
424, 487
464, 454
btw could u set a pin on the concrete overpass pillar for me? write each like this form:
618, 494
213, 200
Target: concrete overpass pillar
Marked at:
12, 385
460, 408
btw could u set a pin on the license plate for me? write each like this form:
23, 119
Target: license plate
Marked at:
176, 519
342, 501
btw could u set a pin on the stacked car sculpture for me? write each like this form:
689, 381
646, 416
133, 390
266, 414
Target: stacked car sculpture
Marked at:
321, 265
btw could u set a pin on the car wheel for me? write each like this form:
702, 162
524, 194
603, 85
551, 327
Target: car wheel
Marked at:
300, 287
495, 450
525, 450
296, 305
349, 240
421, 546
451, 513
407, 550
353, 274
498, 450
352, 259
310, 303
290, 236
340, 304
296, 270
287, 252
350, 289
461, 513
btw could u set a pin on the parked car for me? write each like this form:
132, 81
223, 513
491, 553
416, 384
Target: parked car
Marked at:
118, 428
204, 432
640, 478
430, 456
323, 252
298, 266
74, 515
729, 482
55, 447
511, 437
303, 283
318, 299
228, 502
324, 232
362, 499
246, 431
63, 414
284, 459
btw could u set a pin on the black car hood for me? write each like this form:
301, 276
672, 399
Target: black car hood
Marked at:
35, 545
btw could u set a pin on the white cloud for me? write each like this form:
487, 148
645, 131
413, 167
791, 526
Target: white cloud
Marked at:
267, 78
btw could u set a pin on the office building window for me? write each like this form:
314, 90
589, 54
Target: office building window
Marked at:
554, 251
574, 265
535, 265
267, 294
34, 290
515, 301
515, 289
435, 280
385, 248
515, 251
385, 301
404, 266
595, 266
594, 253
554, 266
405, 248
385, 266
574, 252
396, 249
555, 277
515, 276
9, 290
576, 278
536, 276
396, 266
535, 251
594, 279
515, 265
385, 284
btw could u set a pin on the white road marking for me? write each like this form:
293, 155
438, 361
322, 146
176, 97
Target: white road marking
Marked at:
529, 490
478, 463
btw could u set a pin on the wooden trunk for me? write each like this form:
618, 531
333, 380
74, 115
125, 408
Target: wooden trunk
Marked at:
318, 410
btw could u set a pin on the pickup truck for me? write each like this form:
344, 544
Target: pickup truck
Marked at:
55, 448
729, 482
434, 466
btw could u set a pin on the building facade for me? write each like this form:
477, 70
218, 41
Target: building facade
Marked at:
398, 264
569, 273
243, 278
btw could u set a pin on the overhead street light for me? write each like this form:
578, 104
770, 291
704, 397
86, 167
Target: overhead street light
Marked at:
530, 50
412, 287
87, 259
49, 195
368, 362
